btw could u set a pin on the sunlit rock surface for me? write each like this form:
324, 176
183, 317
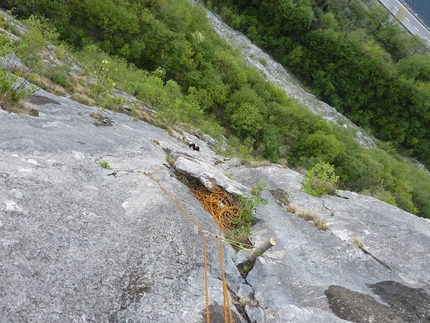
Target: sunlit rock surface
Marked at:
84, 243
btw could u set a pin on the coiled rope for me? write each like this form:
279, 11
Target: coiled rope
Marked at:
218, 203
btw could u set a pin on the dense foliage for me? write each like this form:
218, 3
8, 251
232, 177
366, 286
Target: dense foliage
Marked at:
165, 53
353, 55
320, 180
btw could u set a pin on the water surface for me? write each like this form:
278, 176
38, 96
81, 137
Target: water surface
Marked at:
421, 8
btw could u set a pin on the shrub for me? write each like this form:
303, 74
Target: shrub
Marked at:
320, 180
59, 78
314, 218
104, 164
325, 147
263, 61
12, 88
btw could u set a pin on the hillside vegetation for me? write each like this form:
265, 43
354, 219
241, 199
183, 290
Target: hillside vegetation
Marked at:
166, 54
353, 55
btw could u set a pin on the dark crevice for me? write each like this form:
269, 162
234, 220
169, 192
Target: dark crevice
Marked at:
379, 261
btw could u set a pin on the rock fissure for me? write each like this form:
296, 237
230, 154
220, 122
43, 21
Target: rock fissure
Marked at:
378, 260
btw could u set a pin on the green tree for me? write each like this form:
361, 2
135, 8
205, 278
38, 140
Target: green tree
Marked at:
271, 142
115, 25
320, 180
246, 120
99, 65
323, 146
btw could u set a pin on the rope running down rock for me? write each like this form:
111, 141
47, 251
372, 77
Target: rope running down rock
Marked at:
228, 318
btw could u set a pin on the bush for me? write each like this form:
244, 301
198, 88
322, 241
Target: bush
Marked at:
59, 78
12, 88
320, 180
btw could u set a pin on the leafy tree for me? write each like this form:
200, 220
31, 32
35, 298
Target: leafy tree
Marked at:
271, 142
115, 25
248, 95
323, 146
247, 120
35, 40
415, 67
23, 8
99, 65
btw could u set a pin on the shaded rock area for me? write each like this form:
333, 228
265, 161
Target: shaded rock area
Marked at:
40, 99
217, 315
412, 303
405, 304
357, 307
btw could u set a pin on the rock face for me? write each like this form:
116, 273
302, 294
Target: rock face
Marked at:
405, 304
81, 243
369, 266
124, 243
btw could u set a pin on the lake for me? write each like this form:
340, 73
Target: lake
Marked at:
420, 7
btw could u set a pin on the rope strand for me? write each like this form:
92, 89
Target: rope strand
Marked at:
225, 214
208, 315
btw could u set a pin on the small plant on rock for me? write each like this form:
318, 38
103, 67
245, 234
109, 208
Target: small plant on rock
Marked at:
320, 180
311, 216
247, 205
170, 159
104, 164
258, 187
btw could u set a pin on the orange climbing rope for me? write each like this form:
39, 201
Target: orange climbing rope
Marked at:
225, 213
218, 203
228, 316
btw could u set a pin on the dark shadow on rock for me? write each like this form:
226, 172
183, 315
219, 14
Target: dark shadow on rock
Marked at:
33, 113
217, 314
135, 286
40, 100
413, 302
280, 196
404, 304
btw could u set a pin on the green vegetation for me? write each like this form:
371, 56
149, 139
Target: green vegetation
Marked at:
354, 56
170, 159
357, 241
320, 180
104, 164
307, 215
164, 53
242, 229
13, 82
